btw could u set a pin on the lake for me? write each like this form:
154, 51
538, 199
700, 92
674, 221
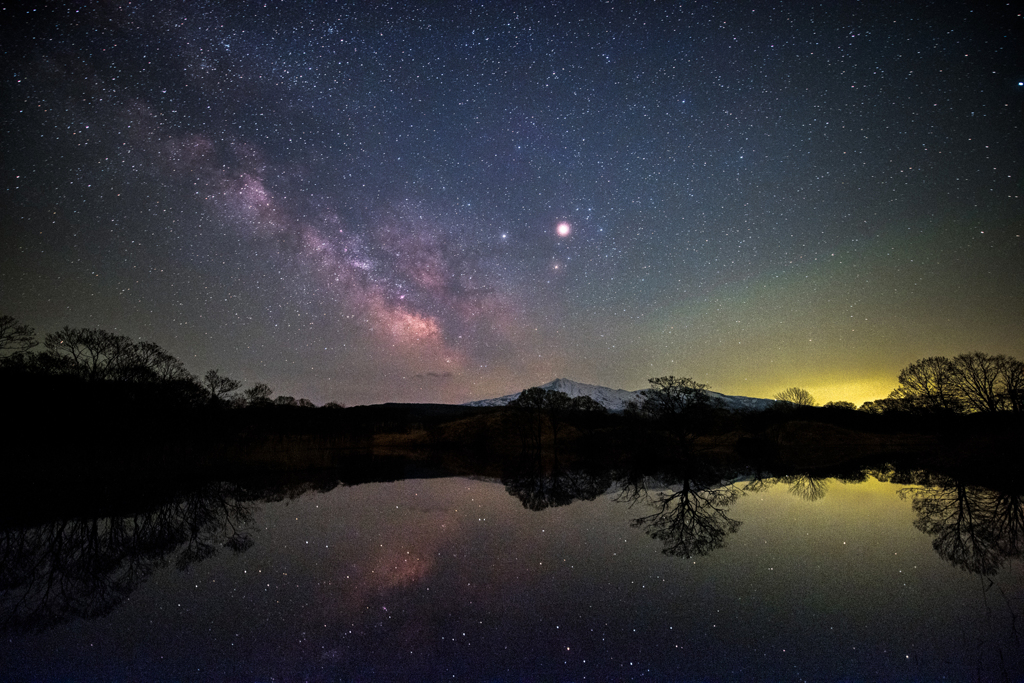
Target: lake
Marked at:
579, 577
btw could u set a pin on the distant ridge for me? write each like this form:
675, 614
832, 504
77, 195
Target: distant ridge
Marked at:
615, 400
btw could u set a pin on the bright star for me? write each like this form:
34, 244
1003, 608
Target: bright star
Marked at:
563, 229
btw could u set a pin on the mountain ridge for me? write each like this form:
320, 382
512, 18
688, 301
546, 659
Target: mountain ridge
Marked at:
615, 400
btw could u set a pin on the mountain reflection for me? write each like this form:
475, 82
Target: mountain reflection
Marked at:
72, 568
974, 528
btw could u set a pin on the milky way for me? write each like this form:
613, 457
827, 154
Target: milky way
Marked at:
363, 201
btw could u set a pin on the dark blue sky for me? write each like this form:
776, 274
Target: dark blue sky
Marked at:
358, 201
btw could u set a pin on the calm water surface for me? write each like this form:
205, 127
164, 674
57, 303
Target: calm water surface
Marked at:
454, 579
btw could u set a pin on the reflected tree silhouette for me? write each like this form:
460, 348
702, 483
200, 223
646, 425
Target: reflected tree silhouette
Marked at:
538, 491
974, 528
807, 487
1008, 522
690, 518
758, 482
540, 486
85, 568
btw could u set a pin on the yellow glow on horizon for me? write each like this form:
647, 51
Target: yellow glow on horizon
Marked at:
856, 392
823, 389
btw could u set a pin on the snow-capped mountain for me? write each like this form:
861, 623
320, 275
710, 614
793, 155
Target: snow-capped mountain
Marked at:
615, 400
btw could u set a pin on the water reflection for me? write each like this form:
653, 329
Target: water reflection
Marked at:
692, 519
974, 528
689, 502
558, 571
541, 483
85, 568
806, 487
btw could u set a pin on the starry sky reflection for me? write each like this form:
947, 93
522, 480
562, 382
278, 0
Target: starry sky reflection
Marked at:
362, 202
438, 578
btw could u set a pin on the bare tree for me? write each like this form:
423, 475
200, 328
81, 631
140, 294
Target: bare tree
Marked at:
76, 351
929, 384
978, 379
258, 394
15, 338
219, 386
670, 396
1013, 384
796, 396
971, 382
97, 355
94, 355
166, 367
679, 405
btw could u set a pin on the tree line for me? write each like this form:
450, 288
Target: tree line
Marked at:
969, 383
684, 409
94, 355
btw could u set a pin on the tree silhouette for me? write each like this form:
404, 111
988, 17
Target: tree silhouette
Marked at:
985, 383
841, 405
536, 408
585, 404
163, 365
1013, 384
971, 382
928, 385
258, 394
219, 386
679, 405
671, 396
86, 353
528, 420
97, 355
15, 338
796, 396
555, 405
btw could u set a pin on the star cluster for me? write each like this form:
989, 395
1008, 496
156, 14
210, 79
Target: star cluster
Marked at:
365, 201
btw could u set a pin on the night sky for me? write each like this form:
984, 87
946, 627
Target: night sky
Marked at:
361, 202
